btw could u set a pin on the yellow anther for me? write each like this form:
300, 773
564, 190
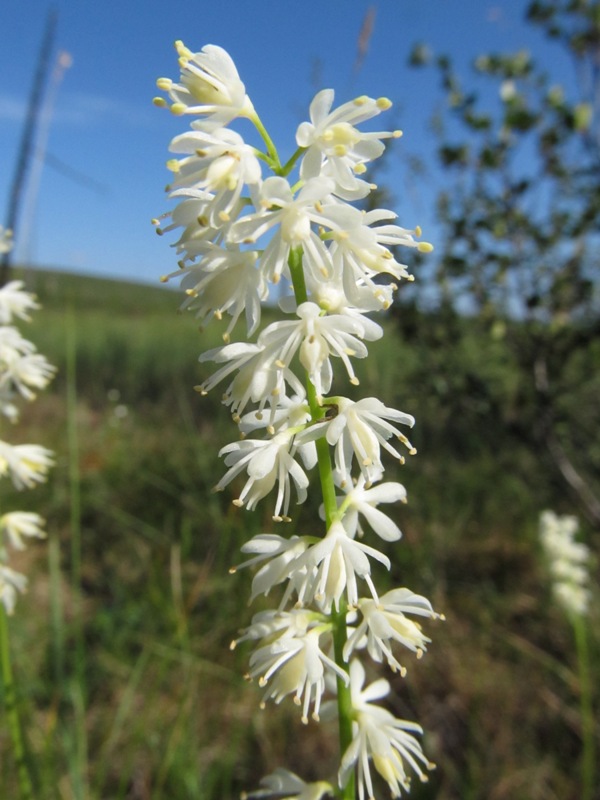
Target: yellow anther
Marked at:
340, 150
359, 169
383, 103
182, 50
191, 293
224, 216
418, 231
424, 247
159, 102
238, 503
164, 84
159, 231
360, 101
397, 134
354, 381
178, 109
173, 165
163, 278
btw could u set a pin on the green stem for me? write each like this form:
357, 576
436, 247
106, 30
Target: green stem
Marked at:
338, 618
290, 163
271, 149
585, 701
12, 711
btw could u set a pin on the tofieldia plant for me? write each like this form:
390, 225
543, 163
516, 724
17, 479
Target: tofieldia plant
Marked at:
23, 371
239, 234
568, 562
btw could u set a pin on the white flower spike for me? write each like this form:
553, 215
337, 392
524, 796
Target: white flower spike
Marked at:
240, 233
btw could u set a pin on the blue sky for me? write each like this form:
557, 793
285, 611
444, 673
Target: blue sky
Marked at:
105, 129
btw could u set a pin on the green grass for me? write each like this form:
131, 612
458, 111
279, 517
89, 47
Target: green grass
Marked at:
162, 699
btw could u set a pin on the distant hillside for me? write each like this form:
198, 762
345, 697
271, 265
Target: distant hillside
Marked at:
57, 290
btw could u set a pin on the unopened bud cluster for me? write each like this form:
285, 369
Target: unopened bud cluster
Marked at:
243, 225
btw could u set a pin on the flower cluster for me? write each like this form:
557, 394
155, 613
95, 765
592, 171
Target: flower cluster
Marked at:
568, 562
239, 234
23, 371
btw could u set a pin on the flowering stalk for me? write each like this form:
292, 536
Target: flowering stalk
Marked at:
568, 563
22, 372
241, 234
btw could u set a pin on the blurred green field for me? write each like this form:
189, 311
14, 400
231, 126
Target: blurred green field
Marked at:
127, 682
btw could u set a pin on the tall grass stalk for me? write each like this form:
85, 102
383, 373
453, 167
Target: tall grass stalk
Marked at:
12, 712
57, 639
588, 763
78, 692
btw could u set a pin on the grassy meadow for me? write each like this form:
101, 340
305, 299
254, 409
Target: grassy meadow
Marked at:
127, 685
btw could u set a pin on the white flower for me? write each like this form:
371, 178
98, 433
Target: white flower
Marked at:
360, 246
361, 429
11, 582
17, 524
568, 561
360, 500
385, 621
192, 214
220, 164
331, 137
210, 85
12, 344
224, 281
282, 557
317, 337
293, 217
290, 412
25, 372
27, 464
267, 462
260, 379
268, 625
381, 738
331, 295
14, 302
285, 785
332, 566
295, 665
